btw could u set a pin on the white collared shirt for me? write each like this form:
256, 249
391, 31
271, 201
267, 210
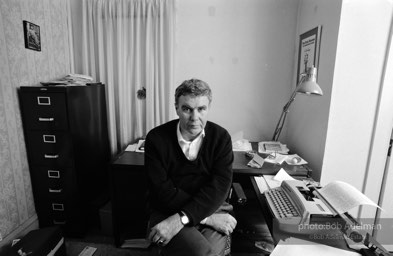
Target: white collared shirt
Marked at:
190, 148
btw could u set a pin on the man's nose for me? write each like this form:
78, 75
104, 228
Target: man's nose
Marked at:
194, 115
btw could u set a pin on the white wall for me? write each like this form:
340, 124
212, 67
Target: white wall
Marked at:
245, 50
361, 50
383, 132
308, 117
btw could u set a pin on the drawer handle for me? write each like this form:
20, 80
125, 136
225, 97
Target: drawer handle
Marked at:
43, 100
49, 138
51, 156
55, 190
56, 222
57, 207
53, 174
46, 119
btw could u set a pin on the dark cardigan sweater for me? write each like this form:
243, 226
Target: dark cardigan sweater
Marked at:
176, 184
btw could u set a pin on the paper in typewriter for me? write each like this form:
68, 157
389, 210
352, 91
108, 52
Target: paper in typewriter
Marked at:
343, 196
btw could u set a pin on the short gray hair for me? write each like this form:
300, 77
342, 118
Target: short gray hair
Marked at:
193, 87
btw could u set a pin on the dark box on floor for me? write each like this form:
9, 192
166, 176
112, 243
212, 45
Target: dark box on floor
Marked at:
45, 241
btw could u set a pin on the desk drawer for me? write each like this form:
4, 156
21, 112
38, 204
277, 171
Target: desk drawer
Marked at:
44, 111
50, 148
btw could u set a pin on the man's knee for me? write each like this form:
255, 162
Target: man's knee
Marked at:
190, 241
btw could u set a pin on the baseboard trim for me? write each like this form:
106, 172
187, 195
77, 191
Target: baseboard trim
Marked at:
23, 229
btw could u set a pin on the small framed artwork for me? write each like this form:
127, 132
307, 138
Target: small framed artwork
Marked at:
309, 43
32, 36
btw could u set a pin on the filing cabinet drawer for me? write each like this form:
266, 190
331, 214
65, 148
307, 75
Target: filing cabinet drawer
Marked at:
51, 217
44, 111
50, 148
54, 182
57, 211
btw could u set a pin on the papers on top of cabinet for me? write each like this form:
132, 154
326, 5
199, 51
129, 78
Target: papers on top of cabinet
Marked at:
71, 79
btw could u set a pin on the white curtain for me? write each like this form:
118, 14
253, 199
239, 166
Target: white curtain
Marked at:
127, 45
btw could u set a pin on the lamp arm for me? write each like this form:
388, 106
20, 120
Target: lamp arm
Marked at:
279, 125
285, 111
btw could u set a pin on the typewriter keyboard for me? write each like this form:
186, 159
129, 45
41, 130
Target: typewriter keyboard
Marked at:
280, 204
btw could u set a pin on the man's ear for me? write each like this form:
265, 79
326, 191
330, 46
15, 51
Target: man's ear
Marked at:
176, 106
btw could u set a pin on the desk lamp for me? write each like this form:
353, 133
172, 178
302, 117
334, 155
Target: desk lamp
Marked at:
307, 85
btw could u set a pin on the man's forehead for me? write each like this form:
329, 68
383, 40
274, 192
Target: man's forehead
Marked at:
193, 100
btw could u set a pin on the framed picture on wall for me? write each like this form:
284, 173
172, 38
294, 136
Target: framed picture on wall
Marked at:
32, 36
309, 43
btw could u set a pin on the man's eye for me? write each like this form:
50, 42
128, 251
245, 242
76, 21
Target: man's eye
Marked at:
201, 109
187, 110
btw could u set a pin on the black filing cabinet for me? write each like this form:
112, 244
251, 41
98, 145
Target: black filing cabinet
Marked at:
67, 144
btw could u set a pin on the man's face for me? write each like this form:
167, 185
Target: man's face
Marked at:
192, 112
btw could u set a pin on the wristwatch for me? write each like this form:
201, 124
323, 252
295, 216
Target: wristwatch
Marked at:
184, 218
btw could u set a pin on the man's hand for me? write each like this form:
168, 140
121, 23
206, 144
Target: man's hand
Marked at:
164, 231
222, 222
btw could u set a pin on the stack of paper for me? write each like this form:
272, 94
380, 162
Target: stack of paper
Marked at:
267, 182
137, 147
241, 145
298, 247
272, 147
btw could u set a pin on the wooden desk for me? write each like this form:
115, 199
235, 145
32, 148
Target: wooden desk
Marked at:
240, 167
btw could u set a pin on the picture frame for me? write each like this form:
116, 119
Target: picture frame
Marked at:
309, 46
32, 36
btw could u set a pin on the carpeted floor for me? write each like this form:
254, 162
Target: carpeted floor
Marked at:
105, 246
74, 248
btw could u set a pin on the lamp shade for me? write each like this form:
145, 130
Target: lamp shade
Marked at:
309, 85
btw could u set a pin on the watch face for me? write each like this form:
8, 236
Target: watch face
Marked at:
184, 220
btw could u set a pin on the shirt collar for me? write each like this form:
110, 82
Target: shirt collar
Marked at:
180, 136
